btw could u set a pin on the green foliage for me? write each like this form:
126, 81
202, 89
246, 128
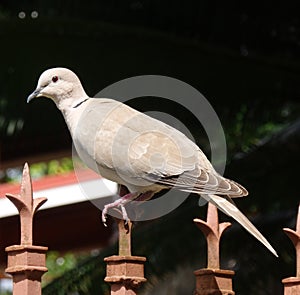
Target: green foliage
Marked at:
4, 14
38, 170
88, 270
58, 264
249, 126
62, 166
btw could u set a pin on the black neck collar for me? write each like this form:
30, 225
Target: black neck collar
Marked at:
80, 103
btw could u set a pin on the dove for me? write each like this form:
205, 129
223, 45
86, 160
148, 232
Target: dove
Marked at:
135, 150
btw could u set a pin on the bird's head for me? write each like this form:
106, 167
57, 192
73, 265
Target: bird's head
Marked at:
59, 84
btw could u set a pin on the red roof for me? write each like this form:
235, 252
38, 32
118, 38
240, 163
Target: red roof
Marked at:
50, 181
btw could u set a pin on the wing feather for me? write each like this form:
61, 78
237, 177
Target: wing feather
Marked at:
231, 210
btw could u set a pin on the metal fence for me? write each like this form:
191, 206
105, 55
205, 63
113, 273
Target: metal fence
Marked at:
124, 272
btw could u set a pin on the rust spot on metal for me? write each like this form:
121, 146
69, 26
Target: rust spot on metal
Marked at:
124, 272
292, 284
213, 232
124, 237
26, 263
26, 205
213, 280
125, 269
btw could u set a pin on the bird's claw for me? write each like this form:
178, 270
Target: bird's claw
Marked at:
124, 214
113, 206
104, 213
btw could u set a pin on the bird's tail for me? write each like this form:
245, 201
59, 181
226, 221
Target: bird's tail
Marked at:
230, 209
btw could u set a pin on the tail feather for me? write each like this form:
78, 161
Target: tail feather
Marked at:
231, 210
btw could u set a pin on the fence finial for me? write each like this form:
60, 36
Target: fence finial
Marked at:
292, 284
26, 205
26, 263
213, 232
124, 272
213, 280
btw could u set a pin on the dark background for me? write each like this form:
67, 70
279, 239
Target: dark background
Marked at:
243, 56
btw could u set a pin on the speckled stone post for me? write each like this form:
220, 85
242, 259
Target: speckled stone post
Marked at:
292, 284
213, 280
26, 263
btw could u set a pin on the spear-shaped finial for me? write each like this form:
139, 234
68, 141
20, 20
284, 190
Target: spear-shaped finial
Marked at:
295, 237
26, 205
213, 232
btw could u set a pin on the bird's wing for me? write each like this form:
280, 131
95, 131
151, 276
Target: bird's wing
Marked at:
136, 146
149, 149
117, 135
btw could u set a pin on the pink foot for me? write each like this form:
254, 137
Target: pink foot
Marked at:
119, 203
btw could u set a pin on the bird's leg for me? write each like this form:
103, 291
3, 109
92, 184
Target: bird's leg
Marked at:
145, 196
121, 202
139, 211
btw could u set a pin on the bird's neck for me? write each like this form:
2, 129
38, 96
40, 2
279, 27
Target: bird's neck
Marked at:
70, 107
68, 104
72, 95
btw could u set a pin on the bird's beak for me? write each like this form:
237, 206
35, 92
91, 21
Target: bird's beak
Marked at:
34, 94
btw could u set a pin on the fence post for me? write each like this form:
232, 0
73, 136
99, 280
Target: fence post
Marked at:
213, 280
26, 262
292, 284
124, 272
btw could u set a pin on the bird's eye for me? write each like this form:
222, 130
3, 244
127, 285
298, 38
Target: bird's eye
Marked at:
54, 79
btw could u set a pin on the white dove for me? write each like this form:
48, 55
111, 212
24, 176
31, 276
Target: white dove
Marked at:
136, 150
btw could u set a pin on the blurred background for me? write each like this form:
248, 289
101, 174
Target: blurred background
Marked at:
243, 57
